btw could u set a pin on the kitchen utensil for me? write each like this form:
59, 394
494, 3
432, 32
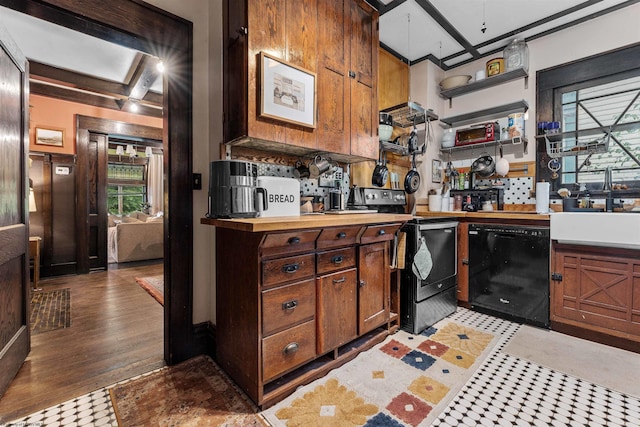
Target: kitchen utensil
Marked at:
412, 179
565, 193
380, 172
454, 81
319, 166
554, 166
484, 166
336, 200
300, 171
502, 165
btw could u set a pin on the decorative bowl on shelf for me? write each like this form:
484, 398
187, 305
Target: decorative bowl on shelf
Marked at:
385, 132
454, 81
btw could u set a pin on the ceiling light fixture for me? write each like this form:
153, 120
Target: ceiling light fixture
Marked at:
131, 151
148, 152
134, 105
483, 29
160, 66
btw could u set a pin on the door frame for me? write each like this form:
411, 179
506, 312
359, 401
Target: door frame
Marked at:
149, 29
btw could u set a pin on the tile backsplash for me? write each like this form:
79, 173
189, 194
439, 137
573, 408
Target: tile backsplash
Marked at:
310, 187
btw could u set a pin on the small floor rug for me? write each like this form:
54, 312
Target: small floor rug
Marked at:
407, 380
154, 285
597, 363
192, 393
50, 310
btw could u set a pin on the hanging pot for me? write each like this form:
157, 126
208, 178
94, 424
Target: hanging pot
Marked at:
380, 173
502, 165
484, 166
412, 180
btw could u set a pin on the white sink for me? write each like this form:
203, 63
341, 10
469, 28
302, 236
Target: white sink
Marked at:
612, 229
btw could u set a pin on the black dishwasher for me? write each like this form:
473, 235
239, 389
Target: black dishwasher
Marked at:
509, 272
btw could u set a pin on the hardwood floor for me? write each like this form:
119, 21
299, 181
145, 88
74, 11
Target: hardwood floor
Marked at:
116, 333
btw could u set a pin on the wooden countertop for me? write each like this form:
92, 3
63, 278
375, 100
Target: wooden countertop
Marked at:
283, 223
489, 215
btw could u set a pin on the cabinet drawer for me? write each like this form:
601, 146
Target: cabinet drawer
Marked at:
289, 242
283, 270
379, 233
287, 305
338, 236
335, 260
287, 349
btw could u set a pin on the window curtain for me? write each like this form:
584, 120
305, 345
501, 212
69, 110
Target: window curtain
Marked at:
155, 192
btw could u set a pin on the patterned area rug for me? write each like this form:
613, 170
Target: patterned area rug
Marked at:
193, 393
407, 380
154, 285
50, 310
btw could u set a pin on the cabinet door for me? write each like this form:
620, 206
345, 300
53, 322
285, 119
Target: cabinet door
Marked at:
363, 82
463, 262
333, 76
301, 50
373, 286
337, 309
393, 80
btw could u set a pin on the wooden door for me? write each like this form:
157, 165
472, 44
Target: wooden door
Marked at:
337, 310
364, 75
373, 289
14, 214
333, 70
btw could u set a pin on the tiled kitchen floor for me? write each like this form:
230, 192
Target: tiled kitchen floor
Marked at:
505, 391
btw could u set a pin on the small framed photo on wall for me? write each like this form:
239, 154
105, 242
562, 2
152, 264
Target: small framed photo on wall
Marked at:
436, 172
49, 136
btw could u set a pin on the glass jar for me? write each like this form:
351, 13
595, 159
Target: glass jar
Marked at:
516, 55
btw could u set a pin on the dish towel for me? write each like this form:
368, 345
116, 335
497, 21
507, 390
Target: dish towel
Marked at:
422, 262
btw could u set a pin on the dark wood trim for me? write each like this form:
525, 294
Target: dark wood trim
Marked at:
204, 338
140, 26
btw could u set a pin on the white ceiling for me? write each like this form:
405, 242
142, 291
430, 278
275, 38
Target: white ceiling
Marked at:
447, 32
63, 48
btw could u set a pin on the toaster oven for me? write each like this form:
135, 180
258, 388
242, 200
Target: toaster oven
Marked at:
486, 132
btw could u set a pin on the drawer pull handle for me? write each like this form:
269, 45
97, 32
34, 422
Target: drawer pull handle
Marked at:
291, 348
362, 283
290, 268
337, 259
294, 240
290, 305
381, 232
341, 235
336, 281
465, 261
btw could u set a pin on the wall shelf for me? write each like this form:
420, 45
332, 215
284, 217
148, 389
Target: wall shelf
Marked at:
490, 113
517, 142
485, 83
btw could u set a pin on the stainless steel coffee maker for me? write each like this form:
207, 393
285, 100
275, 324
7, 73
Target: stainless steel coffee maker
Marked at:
233, 192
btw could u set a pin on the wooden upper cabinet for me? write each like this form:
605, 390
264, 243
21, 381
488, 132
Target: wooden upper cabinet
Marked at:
393, 80
335, 39
347, 76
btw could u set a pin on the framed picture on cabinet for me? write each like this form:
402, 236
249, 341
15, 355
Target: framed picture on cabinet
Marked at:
49, 136
287, 92
436, 173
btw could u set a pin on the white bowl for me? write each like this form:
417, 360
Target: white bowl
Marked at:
384, 132
454, 81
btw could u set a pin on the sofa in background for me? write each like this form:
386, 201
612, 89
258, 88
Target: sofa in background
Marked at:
135, 237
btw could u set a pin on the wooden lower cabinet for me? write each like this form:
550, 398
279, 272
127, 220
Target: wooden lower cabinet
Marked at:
337, 309
292, 305
373, 286
463, 262
596, 289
